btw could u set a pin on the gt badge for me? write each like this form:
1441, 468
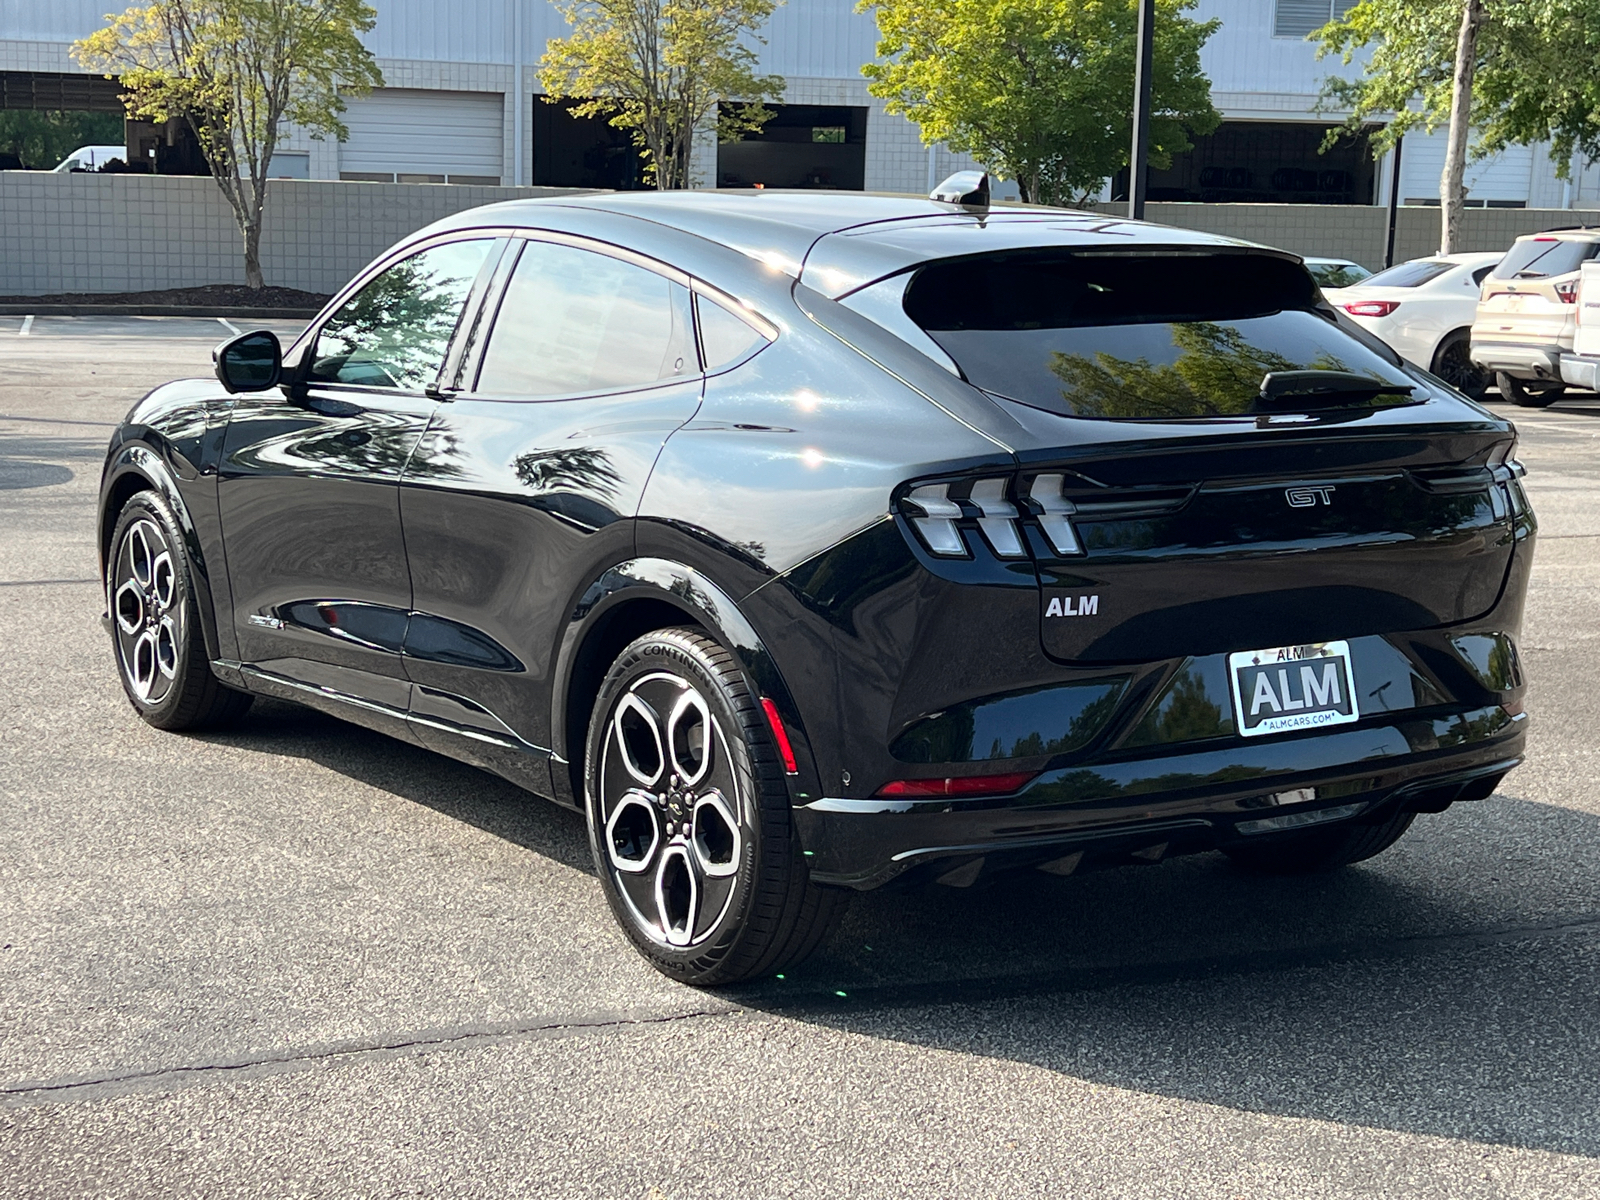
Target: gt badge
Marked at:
1308, 497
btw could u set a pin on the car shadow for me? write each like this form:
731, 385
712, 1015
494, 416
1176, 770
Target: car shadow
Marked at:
1450, 988
455, 789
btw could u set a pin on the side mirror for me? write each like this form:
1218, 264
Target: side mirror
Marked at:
251, 362
969, 188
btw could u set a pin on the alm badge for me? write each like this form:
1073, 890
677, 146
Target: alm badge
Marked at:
1062, 606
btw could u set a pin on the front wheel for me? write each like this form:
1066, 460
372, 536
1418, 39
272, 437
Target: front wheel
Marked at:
1519, 393
155, 623
689, 817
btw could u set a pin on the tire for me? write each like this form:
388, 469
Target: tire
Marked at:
1452, 362
1519, 393
1315, 851
155, 624
689, 817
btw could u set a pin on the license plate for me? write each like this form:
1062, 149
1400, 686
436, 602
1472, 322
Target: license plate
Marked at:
1292, 687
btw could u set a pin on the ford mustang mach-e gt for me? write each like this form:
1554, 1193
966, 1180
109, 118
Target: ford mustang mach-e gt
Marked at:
806, 542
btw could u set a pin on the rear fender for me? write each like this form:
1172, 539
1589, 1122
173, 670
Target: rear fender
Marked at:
628, 600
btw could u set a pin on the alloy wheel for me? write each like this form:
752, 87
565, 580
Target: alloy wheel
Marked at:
147, 607
671, 814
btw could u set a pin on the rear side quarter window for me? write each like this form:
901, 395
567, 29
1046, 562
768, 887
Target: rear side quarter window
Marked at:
575, 321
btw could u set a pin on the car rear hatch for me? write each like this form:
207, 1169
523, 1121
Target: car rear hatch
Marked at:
1173, 502
1529, 297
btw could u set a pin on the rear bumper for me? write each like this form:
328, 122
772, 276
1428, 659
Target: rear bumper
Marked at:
1156, 807
1519, 360
1581, 371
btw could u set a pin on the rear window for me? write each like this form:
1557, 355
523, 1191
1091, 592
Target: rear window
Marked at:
1411, 274
1132, 336
1337, 274
1539, 258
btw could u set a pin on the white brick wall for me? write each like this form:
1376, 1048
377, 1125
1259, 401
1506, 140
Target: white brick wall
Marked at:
124, 233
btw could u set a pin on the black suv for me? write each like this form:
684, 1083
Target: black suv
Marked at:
807, 542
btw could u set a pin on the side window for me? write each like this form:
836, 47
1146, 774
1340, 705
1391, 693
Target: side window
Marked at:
576, 321
723, 336
393, 333
1481, 274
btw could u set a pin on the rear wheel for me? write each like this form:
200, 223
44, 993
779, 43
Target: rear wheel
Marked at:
155, 624
1313, 851
689, 817
1518, 392
1452, 362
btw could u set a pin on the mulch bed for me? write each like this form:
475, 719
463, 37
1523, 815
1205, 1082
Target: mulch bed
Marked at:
215, 295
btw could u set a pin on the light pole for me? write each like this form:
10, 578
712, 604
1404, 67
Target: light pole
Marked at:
1144, 52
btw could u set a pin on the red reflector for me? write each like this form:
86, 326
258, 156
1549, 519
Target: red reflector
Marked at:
1372, 308
966, 785
781, 736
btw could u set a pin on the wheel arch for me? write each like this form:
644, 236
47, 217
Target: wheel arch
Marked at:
631, 599
135, 468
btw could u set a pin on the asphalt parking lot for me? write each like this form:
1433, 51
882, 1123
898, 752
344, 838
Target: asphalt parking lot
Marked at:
300, 959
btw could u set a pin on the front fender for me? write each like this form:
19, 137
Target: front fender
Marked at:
134, 467
602, 614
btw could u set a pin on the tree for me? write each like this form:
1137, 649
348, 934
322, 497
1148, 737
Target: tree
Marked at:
238, 71
1041, 91
1494, 72
659, 69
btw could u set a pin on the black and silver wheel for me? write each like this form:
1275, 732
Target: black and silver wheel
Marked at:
1313, 851
1452, 362
689, 817
1519, 393
161, 655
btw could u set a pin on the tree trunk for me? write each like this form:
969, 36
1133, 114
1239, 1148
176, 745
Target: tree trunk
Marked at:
1452, 192
252, 256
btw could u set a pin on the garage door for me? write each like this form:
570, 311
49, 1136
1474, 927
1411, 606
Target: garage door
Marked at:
414, 136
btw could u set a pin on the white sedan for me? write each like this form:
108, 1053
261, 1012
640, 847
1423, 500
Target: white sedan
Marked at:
1424, 309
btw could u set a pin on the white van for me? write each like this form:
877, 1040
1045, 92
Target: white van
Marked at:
91, 158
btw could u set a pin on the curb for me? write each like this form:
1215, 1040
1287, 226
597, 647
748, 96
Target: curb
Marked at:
154, 310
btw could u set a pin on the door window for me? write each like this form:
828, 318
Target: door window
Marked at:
576, 321
393, 333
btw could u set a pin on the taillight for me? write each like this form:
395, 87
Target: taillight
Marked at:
937, 524
1568, 291
1372, 308
936, 515
966, 785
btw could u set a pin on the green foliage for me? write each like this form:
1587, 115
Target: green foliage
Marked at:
659, 69
1537, 71
42, 139
238, 71
1041, 91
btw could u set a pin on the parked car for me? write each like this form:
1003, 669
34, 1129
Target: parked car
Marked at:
1336, 272
1527, 314
809, 541
1581, 368
92, 158
1424, 309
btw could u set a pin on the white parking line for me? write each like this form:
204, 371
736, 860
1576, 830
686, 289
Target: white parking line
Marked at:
230, 326
27, 326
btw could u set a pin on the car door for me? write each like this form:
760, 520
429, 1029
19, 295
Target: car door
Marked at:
309, 485
525, 484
